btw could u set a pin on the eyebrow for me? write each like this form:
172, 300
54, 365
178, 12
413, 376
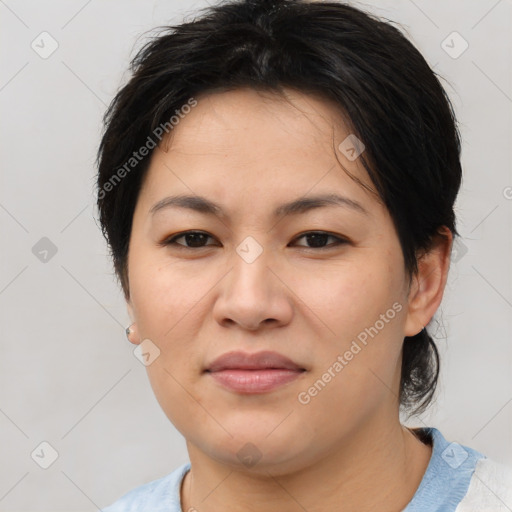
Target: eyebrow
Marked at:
302, 205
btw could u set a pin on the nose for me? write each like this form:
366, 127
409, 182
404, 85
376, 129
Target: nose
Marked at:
253, 295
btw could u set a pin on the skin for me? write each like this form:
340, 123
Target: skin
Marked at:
250, 152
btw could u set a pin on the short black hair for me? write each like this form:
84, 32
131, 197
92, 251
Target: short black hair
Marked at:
391, 98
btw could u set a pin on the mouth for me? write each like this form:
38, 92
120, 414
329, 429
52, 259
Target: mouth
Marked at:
253, 373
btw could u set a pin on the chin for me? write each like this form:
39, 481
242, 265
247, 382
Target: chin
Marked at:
252, 449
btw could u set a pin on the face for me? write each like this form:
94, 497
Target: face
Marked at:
322, 283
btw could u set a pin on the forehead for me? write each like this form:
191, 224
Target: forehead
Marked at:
260, 117
258, 141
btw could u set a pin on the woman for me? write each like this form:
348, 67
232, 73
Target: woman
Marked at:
276, 183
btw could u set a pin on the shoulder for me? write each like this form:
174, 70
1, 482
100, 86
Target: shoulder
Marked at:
490, 488
158, 495
460, 479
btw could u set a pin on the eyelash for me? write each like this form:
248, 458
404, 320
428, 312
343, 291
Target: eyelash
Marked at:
172, 240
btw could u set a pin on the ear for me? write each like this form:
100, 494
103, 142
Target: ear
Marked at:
427, 286
132, 332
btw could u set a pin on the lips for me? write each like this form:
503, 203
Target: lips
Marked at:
262, 372
266, 360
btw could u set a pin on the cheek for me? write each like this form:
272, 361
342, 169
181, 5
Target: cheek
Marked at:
171, 302
348, 297
164, 292
166, 297
363, 308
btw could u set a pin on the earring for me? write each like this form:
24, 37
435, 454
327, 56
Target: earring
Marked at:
129, 331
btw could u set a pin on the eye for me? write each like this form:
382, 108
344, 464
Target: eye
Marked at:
194, 239
318, 239
197, 239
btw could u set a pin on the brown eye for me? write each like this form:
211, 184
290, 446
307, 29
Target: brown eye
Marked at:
193, 239
319, 239
198, 239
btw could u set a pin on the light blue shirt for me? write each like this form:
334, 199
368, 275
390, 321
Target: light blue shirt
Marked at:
457, 479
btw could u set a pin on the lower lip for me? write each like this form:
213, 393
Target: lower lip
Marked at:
254, 381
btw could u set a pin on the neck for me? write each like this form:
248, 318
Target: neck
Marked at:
376, 469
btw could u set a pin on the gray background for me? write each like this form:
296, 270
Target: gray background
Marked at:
67, 374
